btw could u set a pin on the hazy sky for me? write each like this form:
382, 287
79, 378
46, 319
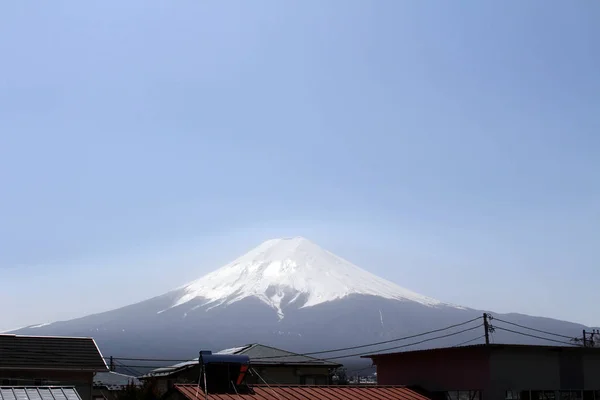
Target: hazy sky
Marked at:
451, 147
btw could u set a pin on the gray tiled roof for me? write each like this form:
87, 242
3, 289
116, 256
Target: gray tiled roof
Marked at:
38, 393
48, 352
259, 355
265, 355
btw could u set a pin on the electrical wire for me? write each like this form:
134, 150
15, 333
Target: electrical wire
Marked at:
358, 347
127, 368
322, 351
533, 336
532, 329
469, 341
391, 348
265, 382
405, 345
376, 343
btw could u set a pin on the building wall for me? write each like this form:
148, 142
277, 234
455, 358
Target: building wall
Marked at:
435, 371
494, 371
517, 370
280, 374
591, 372
82, 381
290, 375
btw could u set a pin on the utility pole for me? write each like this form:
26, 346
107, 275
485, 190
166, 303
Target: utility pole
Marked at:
589, 338
486, 327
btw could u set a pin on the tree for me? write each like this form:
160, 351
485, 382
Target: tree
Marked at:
339, 376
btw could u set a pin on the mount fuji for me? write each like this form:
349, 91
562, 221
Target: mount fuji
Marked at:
292, 294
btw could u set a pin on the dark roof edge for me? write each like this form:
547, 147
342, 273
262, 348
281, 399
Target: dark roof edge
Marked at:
51, 369
47, 336
101, 356
490, 346
262, 385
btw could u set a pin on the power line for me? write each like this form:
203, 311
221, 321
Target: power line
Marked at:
318, 352
532, 329
532, 336
127, 369
374, 344
314, 352
405, 345
469, 341
369, 352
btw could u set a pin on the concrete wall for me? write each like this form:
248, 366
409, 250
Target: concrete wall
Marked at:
82, 381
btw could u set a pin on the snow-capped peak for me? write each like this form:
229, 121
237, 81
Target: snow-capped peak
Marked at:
285, 271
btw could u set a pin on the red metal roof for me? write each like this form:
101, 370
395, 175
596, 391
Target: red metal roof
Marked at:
259, 392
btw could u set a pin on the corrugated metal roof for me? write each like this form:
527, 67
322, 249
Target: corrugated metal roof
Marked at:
193, 392
50, 352
38, 393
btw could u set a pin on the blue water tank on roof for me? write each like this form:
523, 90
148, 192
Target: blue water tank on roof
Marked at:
223, 358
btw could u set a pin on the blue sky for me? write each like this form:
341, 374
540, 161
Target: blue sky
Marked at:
451, 147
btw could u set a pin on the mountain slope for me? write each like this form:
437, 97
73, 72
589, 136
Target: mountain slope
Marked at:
283, 272
292, 294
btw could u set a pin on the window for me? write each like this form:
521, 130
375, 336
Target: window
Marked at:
463, 395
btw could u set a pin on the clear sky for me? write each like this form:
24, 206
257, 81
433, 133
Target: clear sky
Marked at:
451, 147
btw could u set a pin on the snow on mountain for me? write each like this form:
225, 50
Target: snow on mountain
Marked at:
281, 272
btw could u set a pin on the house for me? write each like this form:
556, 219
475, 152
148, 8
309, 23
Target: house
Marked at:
496, 372
50, 361
268, 365
298, 392
109, 385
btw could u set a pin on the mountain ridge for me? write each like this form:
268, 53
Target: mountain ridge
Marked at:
282, 272
264, 296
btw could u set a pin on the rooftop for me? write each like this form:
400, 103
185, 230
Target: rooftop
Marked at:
489, 347
259, 392
114, 380
18, 352
38, 393
259, 354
